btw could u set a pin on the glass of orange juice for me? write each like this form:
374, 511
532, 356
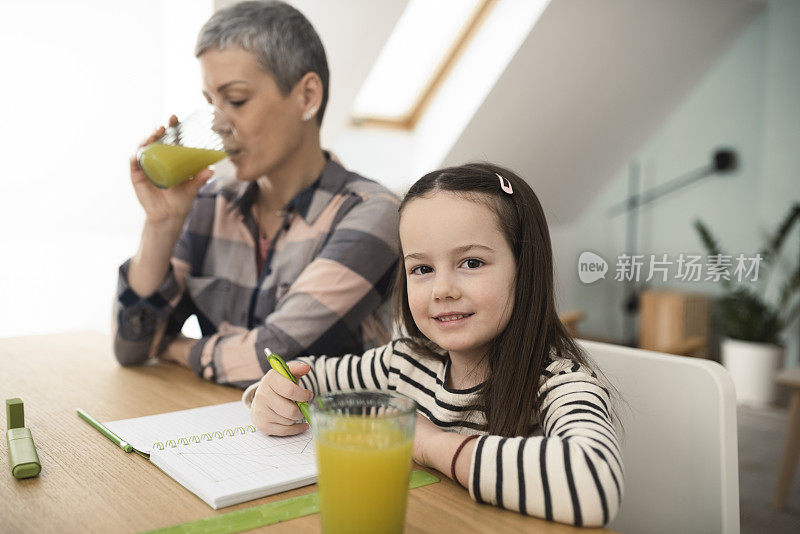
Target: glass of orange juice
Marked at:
184, 150
363, 441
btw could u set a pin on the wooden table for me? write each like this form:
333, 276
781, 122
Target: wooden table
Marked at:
87, 484
791, 448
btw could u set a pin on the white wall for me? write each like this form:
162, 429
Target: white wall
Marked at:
83, 83
780, 171
747, 101
590, 83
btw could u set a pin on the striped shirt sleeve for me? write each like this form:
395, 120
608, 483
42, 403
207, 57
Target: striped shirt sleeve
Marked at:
351, 371
333, 373
572, 473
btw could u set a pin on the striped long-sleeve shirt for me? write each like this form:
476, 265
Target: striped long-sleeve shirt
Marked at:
569, 469
324, 287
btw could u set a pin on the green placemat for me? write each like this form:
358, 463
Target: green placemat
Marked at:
268, 514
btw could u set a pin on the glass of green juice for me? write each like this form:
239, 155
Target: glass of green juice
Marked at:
363, 441
184, 150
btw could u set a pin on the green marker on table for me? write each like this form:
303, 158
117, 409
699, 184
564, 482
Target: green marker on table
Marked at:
22, 453
122, 444
277, 363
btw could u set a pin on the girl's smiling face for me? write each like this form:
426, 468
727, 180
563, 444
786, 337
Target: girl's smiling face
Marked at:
459, 270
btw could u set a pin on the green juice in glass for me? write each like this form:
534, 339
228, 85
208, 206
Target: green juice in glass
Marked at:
169, 165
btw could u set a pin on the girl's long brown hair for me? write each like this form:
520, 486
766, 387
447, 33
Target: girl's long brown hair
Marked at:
517, 357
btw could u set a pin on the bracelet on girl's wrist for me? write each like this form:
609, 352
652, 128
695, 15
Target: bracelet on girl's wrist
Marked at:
455, 456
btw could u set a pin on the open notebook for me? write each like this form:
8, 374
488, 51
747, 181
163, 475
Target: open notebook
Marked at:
216, 453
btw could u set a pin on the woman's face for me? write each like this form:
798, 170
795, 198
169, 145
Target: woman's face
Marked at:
267, 124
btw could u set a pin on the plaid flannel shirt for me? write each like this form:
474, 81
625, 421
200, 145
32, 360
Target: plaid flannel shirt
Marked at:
323, 290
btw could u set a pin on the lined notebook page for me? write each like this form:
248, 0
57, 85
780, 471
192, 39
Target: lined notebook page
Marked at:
229, 468
235, 469
143, 432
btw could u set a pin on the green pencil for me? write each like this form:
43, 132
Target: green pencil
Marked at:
124, 445
277, 363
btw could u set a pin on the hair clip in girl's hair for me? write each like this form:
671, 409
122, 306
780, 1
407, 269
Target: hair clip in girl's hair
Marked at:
505, 185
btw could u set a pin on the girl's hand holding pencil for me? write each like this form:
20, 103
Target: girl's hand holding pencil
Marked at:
274, 410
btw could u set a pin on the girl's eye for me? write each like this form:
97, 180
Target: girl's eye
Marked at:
472, 263
421, 269
237, 103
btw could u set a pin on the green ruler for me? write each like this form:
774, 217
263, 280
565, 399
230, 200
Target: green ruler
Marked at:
268, 514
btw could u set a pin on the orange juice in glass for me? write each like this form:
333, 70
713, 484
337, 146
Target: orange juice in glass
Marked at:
363, 441
184, 150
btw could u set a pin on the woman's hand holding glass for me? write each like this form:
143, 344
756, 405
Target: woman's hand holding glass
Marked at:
165, 205
274, 408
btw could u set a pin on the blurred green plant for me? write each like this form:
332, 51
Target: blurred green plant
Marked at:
742, 312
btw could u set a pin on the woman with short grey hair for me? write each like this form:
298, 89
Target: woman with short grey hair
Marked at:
293, 253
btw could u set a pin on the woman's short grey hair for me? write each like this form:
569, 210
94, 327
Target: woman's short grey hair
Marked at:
281, 38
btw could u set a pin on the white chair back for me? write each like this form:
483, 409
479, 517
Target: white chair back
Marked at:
679, 442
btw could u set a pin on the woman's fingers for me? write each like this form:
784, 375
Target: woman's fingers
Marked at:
134, 161
200, 179
153, 136
173, 121
204, 175
193, 185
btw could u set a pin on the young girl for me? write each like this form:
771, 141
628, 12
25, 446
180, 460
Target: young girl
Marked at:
511, 409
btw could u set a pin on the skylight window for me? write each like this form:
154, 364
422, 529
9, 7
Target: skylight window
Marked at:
421, 48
